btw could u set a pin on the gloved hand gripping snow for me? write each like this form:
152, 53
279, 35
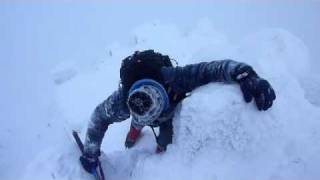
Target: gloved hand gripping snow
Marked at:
252, 86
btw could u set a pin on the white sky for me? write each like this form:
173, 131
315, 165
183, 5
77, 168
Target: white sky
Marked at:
54, 32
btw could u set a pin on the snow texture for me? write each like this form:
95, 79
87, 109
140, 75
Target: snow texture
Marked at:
216, 134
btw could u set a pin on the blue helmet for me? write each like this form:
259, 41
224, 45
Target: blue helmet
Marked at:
147, 100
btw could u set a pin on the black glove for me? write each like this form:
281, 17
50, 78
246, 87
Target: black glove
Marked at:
255, 87
89, 163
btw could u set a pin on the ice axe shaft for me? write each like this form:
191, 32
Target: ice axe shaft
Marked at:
98, 173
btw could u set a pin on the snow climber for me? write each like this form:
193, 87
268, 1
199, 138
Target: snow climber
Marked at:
150, 90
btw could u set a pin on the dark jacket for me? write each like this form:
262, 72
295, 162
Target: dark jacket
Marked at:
182, 80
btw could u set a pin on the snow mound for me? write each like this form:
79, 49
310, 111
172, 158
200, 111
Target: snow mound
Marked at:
218, 136
278, 51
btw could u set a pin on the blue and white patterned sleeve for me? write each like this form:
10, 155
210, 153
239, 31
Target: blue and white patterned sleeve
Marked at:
113, 109
187, 78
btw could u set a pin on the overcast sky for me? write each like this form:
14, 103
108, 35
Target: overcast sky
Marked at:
55, 32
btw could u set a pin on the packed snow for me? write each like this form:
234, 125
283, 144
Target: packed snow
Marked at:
217, 135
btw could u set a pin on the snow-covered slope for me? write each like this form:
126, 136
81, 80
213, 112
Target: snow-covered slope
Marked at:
217, 135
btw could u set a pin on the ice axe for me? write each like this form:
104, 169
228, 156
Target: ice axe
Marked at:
96, 172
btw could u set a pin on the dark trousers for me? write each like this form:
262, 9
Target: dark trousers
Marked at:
165, 134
